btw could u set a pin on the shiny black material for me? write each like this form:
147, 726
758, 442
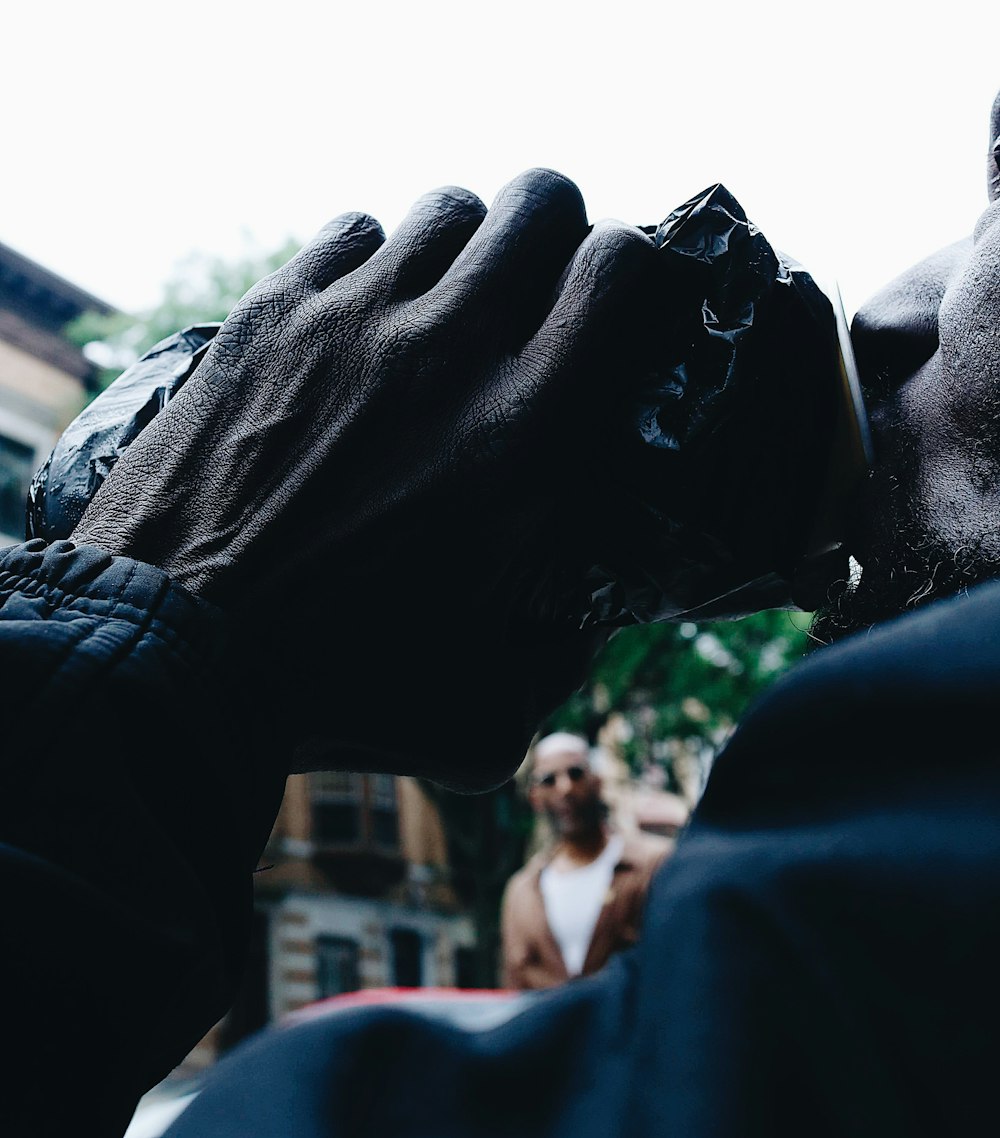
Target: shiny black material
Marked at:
87, 451
723, 458
716, 464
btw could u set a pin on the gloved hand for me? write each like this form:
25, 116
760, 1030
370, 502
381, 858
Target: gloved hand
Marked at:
370, 462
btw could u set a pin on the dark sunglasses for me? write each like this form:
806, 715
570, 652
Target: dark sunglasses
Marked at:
574, 774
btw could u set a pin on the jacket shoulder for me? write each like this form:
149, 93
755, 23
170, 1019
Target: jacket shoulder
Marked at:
647, 851
526, 878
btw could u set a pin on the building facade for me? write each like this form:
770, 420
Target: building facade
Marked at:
44, 378
353, 892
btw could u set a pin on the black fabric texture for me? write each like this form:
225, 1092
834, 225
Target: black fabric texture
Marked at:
819, 957
130, 824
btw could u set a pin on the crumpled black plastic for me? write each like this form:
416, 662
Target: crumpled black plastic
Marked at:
714, 468
718, 488
86, 452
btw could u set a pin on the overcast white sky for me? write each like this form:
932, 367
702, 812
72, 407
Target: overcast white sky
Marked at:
133, 134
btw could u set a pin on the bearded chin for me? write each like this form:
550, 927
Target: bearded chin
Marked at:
916, 570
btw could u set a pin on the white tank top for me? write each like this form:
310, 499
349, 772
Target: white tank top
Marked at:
574, 899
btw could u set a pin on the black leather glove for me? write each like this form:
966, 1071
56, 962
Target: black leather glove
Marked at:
370, 463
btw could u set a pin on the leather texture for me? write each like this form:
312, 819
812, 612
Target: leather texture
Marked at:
378, 445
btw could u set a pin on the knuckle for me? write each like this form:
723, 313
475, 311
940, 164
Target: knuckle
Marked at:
257, 320
547, 181
348, 231
270, 292
454, 203
402, 340
615, 239
268, 298
354, 224
614, 252
358, 231
544, 187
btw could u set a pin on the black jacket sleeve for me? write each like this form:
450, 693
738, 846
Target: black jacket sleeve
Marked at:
818, 957
131, 816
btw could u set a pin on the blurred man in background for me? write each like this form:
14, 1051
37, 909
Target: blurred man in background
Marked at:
581, 900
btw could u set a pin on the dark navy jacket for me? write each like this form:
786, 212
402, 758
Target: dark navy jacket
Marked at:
125, 903
819, 957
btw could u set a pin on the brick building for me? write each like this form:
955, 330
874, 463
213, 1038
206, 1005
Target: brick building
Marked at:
44, 379
355, 894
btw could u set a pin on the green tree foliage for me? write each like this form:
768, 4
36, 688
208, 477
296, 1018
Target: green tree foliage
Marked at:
683, 681
202, 288
673, 683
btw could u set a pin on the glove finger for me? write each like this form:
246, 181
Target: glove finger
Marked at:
597, 330
430, 237
506, 276
340, 247
604, 294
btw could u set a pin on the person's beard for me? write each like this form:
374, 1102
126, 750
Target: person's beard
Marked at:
905, 566
587, 819
927, 573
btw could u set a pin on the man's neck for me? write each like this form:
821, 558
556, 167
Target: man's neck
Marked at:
581, 849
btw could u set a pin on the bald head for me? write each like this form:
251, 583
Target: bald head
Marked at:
565, 789
562, 742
